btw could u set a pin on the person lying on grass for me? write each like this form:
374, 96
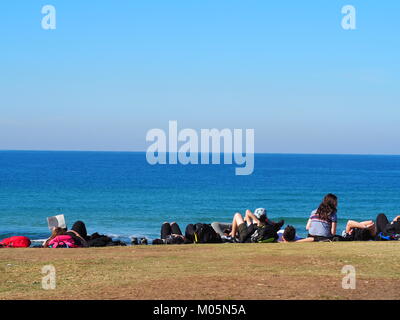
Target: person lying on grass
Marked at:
255, 227
360, 231
170, 234
78, 235
288, 235
383, 225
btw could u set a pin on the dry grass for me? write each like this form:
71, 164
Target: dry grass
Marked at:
227, 271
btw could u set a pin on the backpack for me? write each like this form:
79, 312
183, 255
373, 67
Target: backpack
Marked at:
265, 234
16, 242
202, 233
63, 241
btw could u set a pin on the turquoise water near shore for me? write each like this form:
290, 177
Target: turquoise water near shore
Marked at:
120, 194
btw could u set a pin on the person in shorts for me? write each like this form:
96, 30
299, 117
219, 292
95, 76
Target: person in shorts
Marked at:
251, 224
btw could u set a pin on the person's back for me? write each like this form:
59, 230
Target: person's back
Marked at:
321, 227
322, 222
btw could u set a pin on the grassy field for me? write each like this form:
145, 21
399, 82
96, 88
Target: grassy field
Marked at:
222, 271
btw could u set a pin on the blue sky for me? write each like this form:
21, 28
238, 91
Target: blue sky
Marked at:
113, 70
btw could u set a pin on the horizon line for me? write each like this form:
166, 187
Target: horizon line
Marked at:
139, 151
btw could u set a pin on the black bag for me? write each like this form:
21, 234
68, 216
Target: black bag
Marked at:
264, 233
201, 233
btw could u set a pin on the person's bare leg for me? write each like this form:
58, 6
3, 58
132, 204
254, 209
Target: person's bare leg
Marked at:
368, 223
351, 224
237, 220
248, 217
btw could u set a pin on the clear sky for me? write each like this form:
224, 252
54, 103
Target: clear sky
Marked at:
112, 70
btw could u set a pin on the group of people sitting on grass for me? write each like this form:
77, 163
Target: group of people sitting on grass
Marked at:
257, 227
252, 227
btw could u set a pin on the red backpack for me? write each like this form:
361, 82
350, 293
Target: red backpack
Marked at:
16, 242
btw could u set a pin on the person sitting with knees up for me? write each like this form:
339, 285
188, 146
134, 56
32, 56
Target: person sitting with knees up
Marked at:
255, 227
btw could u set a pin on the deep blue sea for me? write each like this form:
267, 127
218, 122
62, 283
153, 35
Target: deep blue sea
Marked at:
120, 194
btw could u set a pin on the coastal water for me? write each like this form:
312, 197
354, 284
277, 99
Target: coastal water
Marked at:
120, 194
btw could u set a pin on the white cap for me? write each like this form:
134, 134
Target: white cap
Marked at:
259, 212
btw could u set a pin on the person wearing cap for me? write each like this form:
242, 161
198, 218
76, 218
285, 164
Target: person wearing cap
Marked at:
252, 225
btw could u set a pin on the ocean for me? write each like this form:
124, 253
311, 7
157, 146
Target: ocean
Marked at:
121, 195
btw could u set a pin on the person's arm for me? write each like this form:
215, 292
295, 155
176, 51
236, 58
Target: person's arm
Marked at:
85, 244
396, 219
309, 239
333, 228
351, 224
308, 224
47, 242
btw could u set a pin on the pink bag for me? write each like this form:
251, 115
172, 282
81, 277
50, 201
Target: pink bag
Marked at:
64, 241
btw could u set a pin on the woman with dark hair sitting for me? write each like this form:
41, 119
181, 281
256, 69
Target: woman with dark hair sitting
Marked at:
322, 223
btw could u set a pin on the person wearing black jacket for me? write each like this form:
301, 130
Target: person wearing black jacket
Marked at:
79, 234
388, 228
